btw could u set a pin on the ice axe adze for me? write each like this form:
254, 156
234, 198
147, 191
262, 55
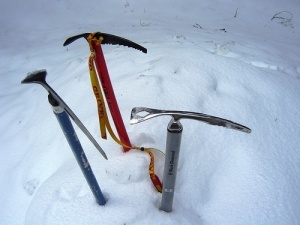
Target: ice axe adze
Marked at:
95, 40
174, 133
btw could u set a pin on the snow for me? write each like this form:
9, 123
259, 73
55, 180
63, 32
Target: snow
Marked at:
200, 58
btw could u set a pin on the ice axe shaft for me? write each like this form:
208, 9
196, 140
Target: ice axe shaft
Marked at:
110, 96
71, 136
174, 134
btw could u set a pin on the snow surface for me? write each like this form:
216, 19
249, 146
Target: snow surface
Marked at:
202, 58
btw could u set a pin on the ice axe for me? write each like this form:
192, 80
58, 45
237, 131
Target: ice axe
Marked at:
62, 113
174, 133
95, 41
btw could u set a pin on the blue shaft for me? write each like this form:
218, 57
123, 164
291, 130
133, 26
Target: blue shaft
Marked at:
79, 154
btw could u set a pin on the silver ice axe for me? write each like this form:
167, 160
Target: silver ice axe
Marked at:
174, 133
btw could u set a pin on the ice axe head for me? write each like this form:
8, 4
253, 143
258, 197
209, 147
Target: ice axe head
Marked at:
107, 39
140, 114
38, 77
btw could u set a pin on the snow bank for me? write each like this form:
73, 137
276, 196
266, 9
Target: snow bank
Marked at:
200, 58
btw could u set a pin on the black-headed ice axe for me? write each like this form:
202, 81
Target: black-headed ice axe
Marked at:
95, 41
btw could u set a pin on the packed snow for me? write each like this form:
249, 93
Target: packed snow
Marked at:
237, 60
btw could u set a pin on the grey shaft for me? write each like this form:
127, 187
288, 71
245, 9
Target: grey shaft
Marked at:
171, 163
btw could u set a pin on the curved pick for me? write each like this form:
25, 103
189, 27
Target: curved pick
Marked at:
107, 39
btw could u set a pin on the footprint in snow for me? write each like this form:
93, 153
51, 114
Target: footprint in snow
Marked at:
72, 192
298, 69
30, 186
223, 49
267, 66
122, 170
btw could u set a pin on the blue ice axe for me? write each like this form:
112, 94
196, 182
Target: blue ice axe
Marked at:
174, 133
62, 113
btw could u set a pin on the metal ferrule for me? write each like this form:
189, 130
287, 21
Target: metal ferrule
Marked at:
55, 104
175, 126
57, 109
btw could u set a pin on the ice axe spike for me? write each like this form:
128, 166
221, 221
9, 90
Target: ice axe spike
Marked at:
107, 39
